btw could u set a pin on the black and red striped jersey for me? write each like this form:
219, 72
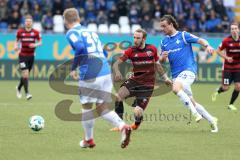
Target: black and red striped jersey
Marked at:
232, 49
26, 38
143, 61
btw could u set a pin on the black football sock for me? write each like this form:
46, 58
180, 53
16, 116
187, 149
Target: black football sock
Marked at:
235, 94
119, 109
220, 90
138, 120
20, 84
25, 85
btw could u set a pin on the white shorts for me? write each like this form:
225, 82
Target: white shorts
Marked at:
96, 91
186, 78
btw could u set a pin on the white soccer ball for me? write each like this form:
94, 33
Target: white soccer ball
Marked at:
36, 123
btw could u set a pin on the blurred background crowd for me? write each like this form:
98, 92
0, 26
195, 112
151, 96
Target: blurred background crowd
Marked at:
118, 16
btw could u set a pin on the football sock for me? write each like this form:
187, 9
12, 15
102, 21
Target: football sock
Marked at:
235, 94
187, 101
220, 90
88, 123
119, 109
20, 84
25, 84
138, 120
113, 118
201, 110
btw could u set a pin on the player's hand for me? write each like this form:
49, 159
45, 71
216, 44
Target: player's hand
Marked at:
164, 56
16, 49
118, 76
74, 75
168, 82
209, 49
32, 45
229, 59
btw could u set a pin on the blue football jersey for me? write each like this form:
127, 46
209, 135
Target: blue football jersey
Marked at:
180, 51
89, 54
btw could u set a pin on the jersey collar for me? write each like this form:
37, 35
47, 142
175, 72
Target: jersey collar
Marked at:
174, 34
77, 25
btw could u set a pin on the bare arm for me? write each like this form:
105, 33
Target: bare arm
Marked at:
223, 55
163, 57
36, 44
163, 74
205, 44
118, 75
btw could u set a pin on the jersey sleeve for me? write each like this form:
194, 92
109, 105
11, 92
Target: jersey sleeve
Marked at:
162, 47
18, 35
77, 45
39, 37
126, 55
189, 38
156, 57
222, 46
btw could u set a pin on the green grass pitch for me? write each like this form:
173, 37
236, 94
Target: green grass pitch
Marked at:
164, 134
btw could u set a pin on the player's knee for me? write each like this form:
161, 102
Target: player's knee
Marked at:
225, 88
237, 87
176, 88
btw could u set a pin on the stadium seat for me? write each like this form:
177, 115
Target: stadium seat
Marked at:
135, 27
37, 26
123, 20
103, 28
125, 29
58, 25
114, 28
92, 27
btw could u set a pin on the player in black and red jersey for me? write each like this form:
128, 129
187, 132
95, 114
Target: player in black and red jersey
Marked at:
27, 39
144, 58
231, 65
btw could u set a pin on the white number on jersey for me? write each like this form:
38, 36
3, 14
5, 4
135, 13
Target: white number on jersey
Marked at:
94, 44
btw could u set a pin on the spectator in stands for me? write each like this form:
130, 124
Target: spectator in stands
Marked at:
147, 23
57, 7
213, 22
219, 8
101, 5
3, 11
133, 14
113, 15
14, 21
202, 23
102, 18
37, 14
47, 21
122, 7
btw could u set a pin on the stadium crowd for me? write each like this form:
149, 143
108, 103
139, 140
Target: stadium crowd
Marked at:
192, 15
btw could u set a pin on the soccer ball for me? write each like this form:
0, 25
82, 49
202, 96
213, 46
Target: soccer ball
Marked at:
36, 123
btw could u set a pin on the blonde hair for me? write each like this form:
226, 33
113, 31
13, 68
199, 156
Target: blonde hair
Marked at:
71, 15
28, 16
140, 30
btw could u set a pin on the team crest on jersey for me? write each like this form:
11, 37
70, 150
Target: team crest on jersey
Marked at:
231, 44
149, 53
177, 41
32, 33
23, 34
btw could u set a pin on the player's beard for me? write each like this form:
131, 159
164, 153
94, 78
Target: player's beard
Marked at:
140, 44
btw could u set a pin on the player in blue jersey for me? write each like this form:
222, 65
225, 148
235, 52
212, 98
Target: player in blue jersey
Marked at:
177, 47
95, 83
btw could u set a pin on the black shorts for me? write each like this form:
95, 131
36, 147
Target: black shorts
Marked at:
26, 62
142, 92
229, 77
